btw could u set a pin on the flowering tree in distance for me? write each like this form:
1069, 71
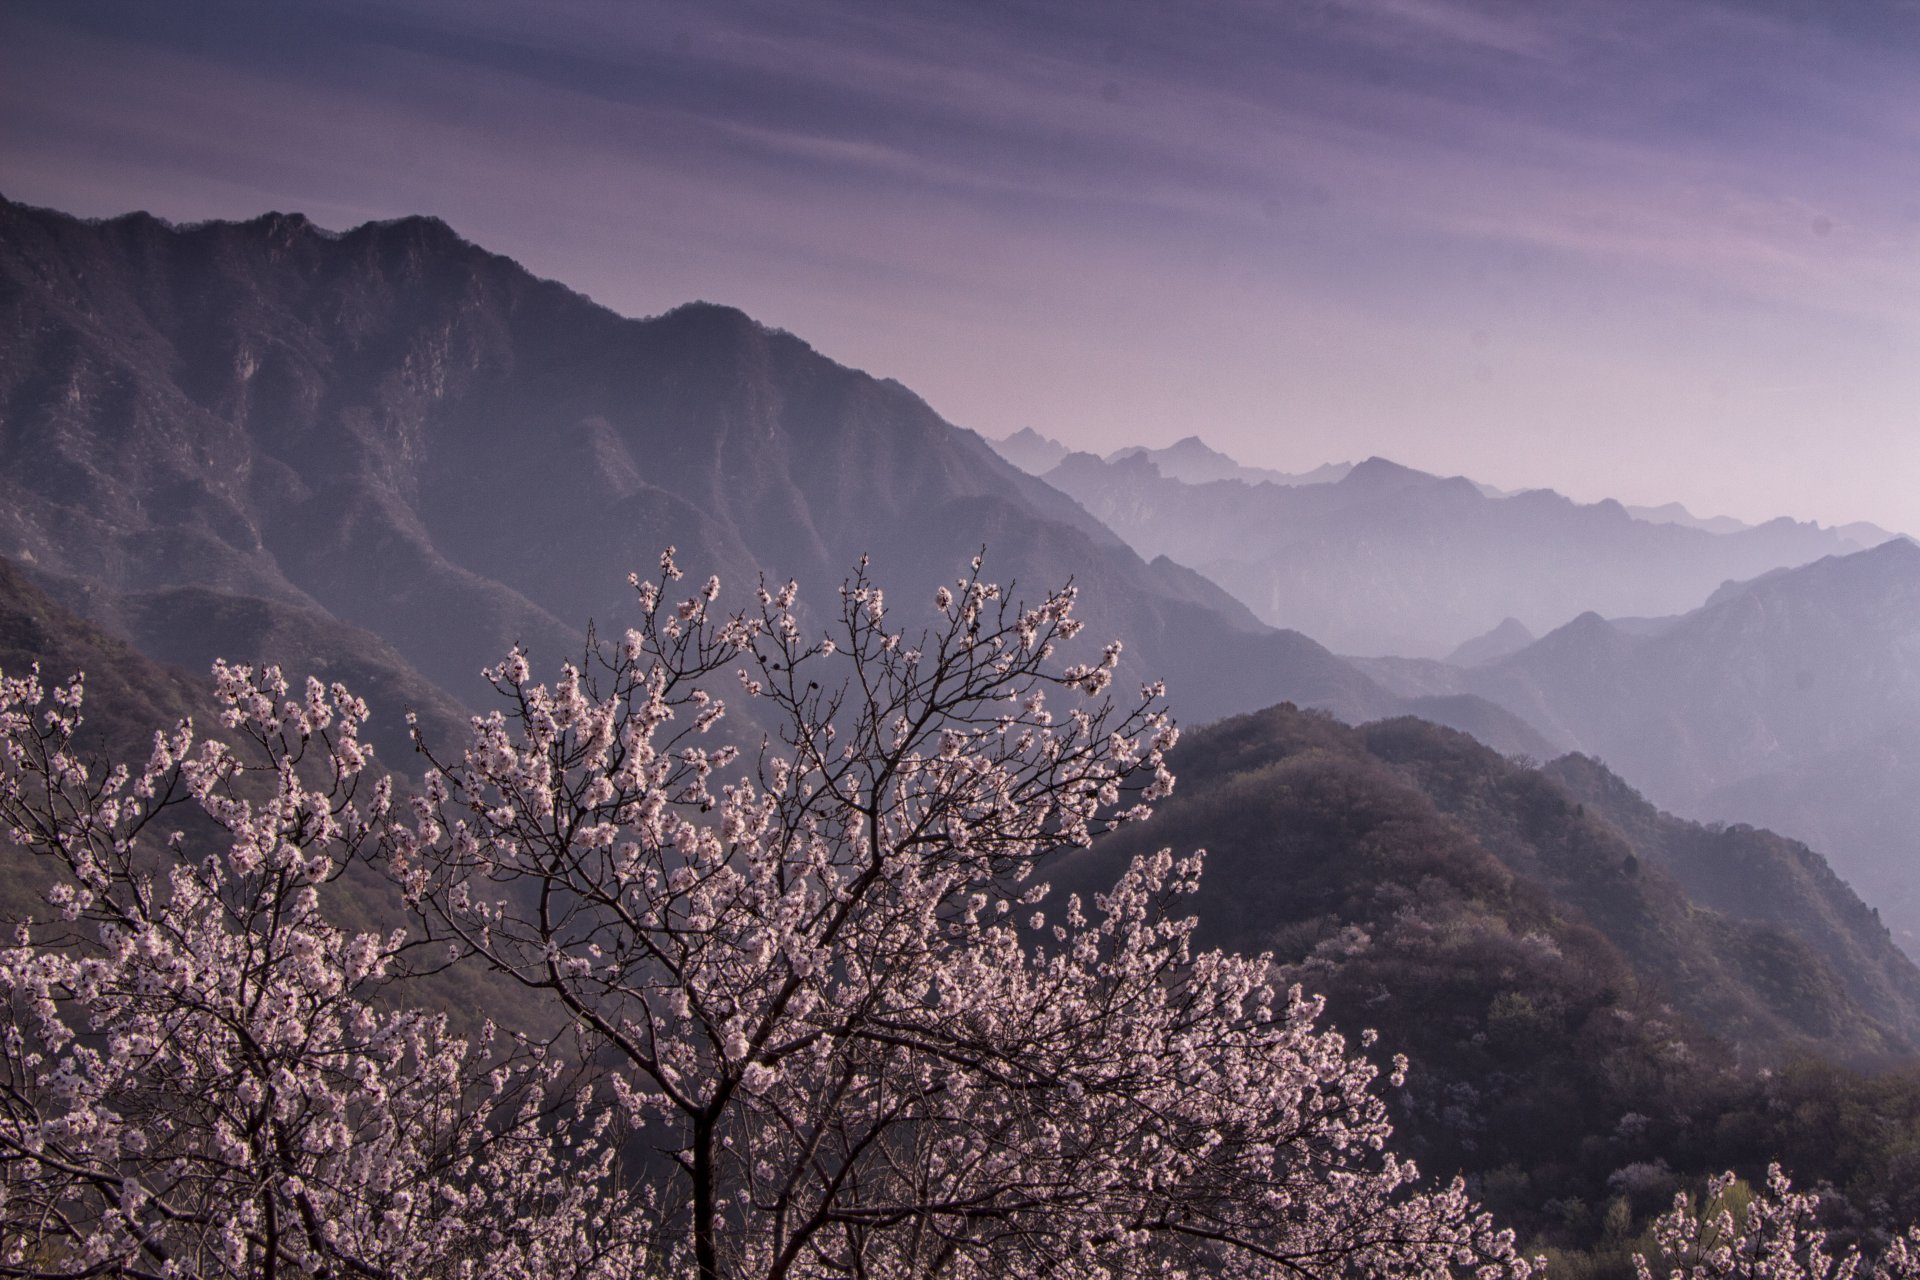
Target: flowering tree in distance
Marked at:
841, 1009
202, 1076
1775, 1235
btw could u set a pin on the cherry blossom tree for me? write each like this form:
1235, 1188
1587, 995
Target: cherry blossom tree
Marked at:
1774, 1235
202, 1076
845, 1015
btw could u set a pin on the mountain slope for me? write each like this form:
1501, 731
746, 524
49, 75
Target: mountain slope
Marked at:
1754, 874
1530, 939
400, 430
1789, 700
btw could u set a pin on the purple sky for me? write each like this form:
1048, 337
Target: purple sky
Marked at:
1649, 249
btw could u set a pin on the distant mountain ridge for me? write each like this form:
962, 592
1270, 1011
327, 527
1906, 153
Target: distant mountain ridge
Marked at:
1190, 460
1510, 636
1675, 513
1392, 560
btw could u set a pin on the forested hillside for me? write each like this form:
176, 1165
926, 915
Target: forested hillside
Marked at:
1590, 1007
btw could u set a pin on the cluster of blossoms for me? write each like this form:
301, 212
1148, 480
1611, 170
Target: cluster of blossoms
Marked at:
822, 1014
202, 1076
1773, 1235
843, 1012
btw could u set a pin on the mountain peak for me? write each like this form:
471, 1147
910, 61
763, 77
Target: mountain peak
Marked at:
1588, 632
275, 219
1139, 462
423, 224
1382, 473
1509, 637
1030, 451
1195, 445
700, 308
713, 320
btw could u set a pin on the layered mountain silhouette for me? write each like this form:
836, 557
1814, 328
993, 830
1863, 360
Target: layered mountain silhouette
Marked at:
1510, 636
1675, 513
387, 455
1190, 460
397, 431
1790, 701
1390, 560
1030, 451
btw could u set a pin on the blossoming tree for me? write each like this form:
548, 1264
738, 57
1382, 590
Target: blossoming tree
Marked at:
842, 1011
201, 1075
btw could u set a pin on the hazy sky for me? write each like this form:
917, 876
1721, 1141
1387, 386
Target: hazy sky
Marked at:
1651, 249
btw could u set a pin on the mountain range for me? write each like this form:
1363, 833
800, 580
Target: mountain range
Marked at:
1189, 460
387, 455
1390, 560
395, 434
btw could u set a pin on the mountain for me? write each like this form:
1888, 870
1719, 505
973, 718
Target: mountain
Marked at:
1551, 952
1193, 461
1510, 636
128, 694
396, 430
1675, 513
1030, 451
128, 697
1392, 560
1311, 822
388, 454
1789, 701
1756, 875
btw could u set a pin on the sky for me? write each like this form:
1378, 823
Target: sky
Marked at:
1645, 249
